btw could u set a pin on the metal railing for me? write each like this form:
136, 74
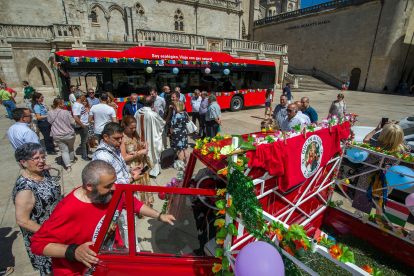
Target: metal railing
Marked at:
321, 75
309, 10
54, 31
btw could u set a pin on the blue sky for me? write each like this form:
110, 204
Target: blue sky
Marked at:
307, 3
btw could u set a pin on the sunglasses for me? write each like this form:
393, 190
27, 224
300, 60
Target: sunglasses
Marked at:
290, 110
91, 92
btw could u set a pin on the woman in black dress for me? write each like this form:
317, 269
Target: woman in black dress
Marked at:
179, 131
35, 196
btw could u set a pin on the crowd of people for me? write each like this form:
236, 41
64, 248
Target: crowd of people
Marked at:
287, 115
127, 152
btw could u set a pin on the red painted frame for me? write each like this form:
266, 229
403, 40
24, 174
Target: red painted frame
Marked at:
148, 263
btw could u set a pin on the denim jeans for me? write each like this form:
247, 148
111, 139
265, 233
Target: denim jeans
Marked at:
10, 106
45, 127
83, 132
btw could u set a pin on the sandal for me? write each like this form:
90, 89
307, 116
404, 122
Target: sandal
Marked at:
5, 271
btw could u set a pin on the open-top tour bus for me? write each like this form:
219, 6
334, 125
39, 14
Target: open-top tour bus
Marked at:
277, 187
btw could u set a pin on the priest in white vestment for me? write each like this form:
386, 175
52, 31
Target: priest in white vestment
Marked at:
150, 127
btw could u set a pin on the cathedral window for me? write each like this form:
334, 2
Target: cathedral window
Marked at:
178, 21
94, 17
139, 9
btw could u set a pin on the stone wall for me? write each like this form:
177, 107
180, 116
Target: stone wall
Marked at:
33, 12
340, 40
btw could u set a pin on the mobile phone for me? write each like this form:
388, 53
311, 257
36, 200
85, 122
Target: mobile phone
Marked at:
144, 170
384, 121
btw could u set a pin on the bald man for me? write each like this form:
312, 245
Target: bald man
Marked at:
292, 119
300, 113
165, 90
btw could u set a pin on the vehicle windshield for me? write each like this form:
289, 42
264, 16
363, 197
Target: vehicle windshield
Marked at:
193, 232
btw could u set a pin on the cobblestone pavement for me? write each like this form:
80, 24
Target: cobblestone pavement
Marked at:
370, 107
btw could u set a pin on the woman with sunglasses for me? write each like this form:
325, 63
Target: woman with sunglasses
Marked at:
338, 107
41, 112
35, 196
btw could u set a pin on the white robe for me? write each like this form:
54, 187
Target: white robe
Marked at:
153, 128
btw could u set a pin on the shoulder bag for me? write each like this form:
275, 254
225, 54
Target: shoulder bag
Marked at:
190, 126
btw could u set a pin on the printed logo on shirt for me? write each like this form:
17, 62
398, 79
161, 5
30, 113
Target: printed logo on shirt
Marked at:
98, 227
311, 155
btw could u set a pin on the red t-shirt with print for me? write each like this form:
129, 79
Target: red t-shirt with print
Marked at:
73, 221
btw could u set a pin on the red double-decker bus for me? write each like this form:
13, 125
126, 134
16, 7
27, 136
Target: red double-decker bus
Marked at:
236, 82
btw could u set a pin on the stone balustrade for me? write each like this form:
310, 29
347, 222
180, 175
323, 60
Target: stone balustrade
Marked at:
228, 5
179, 40
49, 32
191, 41
310, 10
292, 79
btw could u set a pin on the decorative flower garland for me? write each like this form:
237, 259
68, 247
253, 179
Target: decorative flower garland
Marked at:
243, 201
394, 153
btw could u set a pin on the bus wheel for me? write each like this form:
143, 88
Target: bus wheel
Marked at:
236, 103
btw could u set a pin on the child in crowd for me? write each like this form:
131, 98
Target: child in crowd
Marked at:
269, 124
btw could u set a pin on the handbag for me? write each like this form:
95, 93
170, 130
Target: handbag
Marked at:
190, 126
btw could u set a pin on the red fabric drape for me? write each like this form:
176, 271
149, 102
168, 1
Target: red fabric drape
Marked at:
286, 160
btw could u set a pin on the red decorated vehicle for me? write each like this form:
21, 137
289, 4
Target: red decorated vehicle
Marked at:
236, 82
272, 186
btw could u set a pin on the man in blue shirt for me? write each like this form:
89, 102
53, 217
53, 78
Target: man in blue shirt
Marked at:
309, 111
182, 96
91, 98
20, 133
287, 93
165, 90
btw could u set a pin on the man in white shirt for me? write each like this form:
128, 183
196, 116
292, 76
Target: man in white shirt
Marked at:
159, 103
101, 114
301, 115
72, 98
195, 104
292, 119
182, 96
80, 114
20, 133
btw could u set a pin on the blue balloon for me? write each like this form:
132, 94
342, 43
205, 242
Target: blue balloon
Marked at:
175, 71
395, 179
357, 154
226, 71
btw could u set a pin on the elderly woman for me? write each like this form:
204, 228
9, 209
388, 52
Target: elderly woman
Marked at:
338, 107
35, 196
179, 131
390, 138
213, 116
62, 131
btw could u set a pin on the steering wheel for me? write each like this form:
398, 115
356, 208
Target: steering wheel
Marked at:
200, 197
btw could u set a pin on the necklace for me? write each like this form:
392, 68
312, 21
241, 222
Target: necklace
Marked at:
33, 176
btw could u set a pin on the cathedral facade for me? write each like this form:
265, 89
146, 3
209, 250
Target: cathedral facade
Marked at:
31, 31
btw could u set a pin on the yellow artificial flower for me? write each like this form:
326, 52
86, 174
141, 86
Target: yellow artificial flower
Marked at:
216, 149
270, 128
198, 140
205, 141
213, 140
204, 152
226, 136
196, 147
218, 135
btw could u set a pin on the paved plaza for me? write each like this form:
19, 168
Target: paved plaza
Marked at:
369, 106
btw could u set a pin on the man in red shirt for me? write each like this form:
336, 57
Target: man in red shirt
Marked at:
77, 219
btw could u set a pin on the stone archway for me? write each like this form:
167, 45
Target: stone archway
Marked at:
354, 80
39, 74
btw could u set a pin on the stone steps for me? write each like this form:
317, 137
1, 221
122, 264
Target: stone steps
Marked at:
309, 83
